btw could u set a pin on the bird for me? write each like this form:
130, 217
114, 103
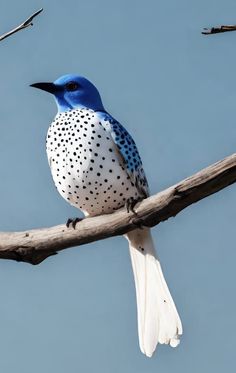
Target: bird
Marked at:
96, 167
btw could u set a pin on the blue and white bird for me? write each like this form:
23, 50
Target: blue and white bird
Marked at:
96, 167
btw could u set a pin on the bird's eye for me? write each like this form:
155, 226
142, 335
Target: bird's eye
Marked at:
72, 86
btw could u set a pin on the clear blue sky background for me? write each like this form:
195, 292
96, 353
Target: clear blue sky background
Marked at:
175, 91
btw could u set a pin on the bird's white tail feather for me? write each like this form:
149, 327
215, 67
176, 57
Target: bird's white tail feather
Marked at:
158, 319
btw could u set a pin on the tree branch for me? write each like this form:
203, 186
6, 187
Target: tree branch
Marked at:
22, 26
34, 246
218, 29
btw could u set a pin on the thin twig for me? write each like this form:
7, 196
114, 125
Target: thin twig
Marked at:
219, 29
22, 26
34, 246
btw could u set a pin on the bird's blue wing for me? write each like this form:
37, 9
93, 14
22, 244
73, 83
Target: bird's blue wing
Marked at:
128, 152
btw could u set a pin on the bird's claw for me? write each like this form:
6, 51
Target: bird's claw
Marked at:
130, 203
73, 222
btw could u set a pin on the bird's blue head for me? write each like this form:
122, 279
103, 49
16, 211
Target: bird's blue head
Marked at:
72, 92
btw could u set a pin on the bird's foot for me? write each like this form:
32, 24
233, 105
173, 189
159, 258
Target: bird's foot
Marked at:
73, 222
136, 220
130, 204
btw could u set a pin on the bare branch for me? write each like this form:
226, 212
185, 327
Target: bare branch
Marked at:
219, 29
36, 245
22, 26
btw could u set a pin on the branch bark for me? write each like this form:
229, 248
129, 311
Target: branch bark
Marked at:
218, 29
22, 26
34, 246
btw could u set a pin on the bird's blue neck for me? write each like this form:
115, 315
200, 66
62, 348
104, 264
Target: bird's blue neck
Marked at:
94, 103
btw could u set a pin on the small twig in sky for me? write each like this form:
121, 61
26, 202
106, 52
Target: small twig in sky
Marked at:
22, 26
219, 29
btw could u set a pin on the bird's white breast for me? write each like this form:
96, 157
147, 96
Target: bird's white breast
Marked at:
85, 164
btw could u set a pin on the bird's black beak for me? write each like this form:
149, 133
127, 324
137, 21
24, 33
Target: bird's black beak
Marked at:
48, 87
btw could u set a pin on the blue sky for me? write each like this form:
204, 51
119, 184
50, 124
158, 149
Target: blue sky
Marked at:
175, 91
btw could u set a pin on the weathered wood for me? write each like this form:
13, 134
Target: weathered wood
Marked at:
218, 29
34, 246
22, 26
